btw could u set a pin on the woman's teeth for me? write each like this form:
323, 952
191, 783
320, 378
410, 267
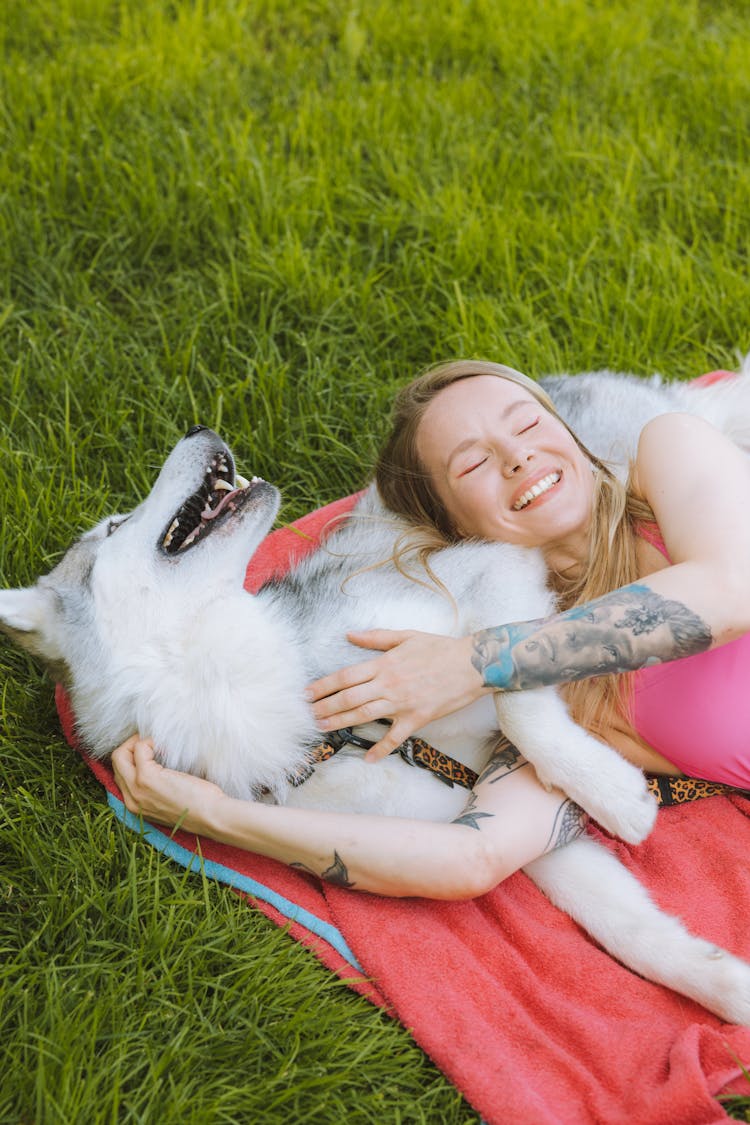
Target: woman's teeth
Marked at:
541, 486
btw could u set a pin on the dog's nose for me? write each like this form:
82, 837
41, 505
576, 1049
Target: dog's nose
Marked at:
195, 430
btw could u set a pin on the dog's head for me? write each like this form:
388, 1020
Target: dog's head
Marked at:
132, 586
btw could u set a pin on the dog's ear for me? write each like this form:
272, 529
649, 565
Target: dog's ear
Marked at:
28, 617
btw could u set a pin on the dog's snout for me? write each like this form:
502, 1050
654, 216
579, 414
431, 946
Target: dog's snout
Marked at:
195, 430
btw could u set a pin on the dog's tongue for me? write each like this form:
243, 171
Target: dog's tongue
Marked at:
210, 513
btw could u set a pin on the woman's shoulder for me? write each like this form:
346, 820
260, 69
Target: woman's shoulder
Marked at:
675, 447
674, 429
695, 480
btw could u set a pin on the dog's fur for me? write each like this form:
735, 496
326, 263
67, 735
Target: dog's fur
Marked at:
170, 645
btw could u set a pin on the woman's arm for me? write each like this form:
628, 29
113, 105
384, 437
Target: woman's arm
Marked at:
698, 485
508, 821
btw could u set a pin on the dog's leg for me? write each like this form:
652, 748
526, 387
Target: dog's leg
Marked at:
594, 775
590, 884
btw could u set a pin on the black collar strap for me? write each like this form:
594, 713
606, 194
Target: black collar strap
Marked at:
414, 751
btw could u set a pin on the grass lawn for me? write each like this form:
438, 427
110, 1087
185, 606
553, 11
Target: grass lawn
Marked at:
264, 216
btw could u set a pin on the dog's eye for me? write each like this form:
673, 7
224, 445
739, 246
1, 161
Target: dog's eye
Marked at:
113, 524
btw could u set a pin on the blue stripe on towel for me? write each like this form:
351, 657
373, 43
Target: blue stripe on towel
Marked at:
223, 874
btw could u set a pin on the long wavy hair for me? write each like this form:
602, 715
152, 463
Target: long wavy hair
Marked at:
407, 489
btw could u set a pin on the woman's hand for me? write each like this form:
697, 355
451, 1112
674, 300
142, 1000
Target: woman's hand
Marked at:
420, 677
160, 794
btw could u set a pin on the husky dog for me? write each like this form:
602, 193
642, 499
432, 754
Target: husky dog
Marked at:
146, 622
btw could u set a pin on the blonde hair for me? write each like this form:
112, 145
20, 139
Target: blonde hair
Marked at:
408, 490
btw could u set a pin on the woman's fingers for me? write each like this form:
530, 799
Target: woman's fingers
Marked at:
340, 686
356, 674
380, 639
143, 753
360, 704
421, 677
160, 794
123, 765
397, 733
130, 762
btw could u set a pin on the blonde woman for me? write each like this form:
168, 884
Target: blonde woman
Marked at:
646, 575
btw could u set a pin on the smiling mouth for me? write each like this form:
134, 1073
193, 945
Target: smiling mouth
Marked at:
539, 489
221, 495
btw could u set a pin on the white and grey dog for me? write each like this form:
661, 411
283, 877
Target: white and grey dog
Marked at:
146, 622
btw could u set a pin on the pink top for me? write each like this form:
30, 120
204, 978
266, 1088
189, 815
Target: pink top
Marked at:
696, 712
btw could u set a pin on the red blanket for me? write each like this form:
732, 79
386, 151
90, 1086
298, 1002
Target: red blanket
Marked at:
515, 1004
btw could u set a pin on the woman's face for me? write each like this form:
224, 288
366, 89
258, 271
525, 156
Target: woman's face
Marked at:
506, 469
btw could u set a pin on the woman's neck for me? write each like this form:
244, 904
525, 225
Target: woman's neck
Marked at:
568, 558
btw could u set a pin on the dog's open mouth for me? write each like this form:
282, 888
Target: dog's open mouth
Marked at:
221, 495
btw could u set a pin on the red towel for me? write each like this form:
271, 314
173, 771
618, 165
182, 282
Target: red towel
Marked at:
712, 377
508, 996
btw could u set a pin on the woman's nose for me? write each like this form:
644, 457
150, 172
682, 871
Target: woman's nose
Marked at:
515, 460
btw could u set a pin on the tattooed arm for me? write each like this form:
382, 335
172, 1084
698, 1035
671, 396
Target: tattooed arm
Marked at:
486, 803
429, 676
509, 821
620, 632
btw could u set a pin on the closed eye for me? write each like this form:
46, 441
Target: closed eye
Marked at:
471, 468
531, 425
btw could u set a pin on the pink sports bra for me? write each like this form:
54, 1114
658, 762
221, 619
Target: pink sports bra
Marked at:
696, 711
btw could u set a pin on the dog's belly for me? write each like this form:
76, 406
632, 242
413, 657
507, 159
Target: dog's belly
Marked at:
393, 787
347, 783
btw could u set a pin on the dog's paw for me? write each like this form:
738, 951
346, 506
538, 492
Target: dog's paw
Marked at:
617, 798
607, 786
628, 815
711, 975
730, 998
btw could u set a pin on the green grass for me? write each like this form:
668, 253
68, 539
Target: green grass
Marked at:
265, 216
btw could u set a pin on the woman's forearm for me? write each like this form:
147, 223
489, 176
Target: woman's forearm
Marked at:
394, 857
621, 631
509, 820
386, 855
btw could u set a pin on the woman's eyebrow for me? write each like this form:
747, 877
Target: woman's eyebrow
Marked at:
461, 448
468, 442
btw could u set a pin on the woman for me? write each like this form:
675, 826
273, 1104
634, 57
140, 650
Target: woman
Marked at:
651, 573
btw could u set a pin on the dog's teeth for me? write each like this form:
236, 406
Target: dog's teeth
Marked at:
171, 532
242, 482
223, 486
190, 538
